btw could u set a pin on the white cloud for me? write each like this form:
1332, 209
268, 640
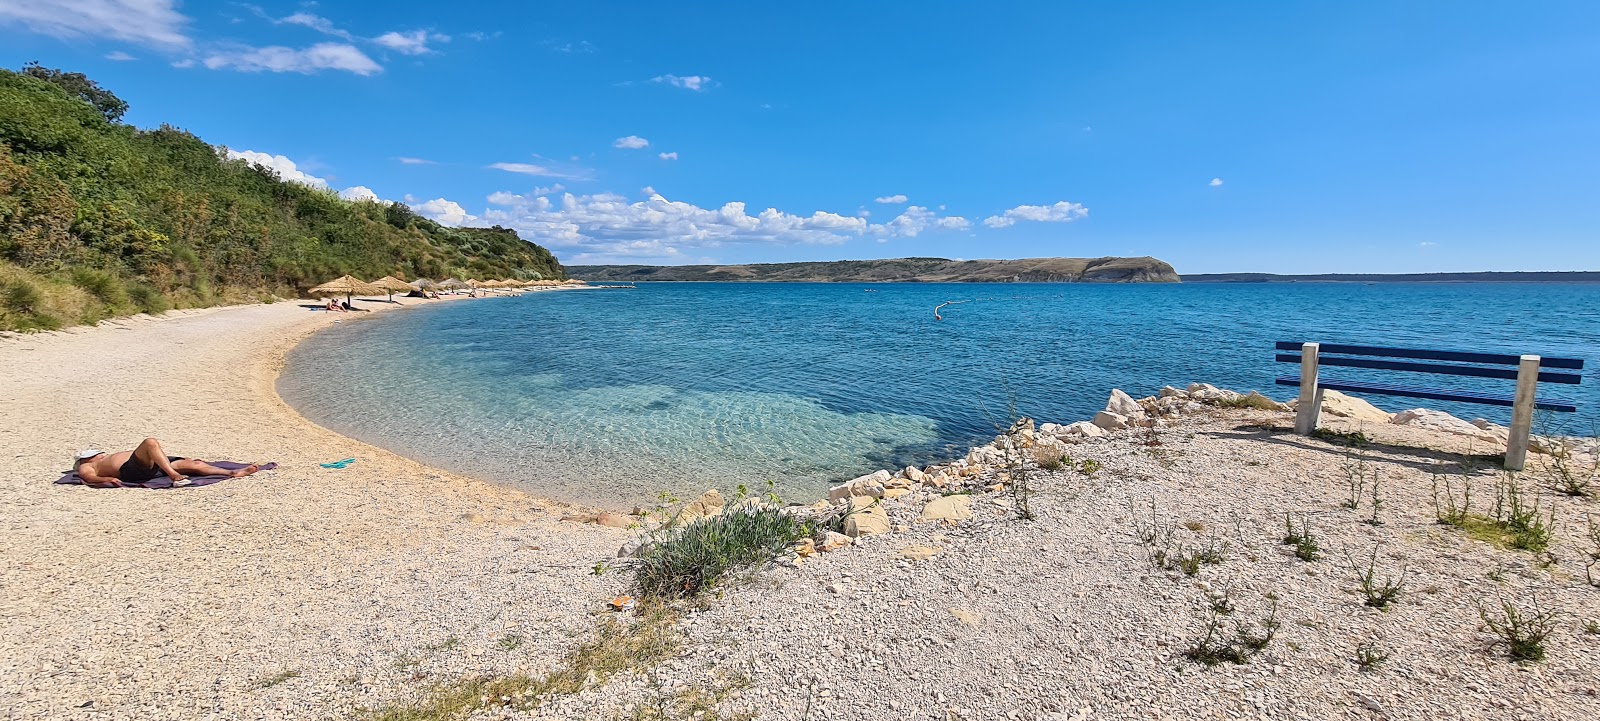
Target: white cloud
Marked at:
668, 156
359, 192
632, 142
548, 189
540, 170
887, 199
119, 56
1061, 212
285, 167
954, 222
317, 23
147, 22
444, 212
915, 219
647, 191
410, 43
184, 63
414, 161
581, 47
1215, 182
278, 59
1428, 244
697, 83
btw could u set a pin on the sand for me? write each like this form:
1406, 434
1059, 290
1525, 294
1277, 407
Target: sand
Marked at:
131, 603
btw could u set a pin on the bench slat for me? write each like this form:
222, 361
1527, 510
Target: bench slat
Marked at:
1488, 399
1438, 355
1450, 370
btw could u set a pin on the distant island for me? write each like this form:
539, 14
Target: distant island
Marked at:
899, 270
1578, 276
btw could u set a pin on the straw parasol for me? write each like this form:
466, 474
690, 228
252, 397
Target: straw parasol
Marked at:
422, 284
452, 284
348, 285
393, 285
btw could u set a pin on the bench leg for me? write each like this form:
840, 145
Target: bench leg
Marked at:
1305, 417
1522, 413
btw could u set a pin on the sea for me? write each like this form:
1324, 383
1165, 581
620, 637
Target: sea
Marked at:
616, 396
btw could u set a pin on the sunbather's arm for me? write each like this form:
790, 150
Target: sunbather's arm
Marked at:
95, 480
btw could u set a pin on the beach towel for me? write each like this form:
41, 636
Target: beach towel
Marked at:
72, 479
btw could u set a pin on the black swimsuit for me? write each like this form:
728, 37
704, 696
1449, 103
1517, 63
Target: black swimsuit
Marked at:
137, 471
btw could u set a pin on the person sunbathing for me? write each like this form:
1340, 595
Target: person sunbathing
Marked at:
333, 305
99, 469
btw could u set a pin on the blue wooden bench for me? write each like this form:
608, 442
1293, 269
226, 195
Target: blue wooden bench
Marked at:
1529, 371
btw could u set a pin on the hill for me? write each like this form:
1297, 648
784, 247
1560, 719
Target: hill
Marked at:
99, 218
1479, 277
925, 270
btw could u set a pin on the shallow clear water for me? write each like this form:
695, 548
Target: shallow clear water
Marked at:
612, 396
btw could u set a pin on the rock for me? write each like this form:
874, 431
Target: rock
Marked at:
634, 548
1260, 402
866, 523
1440, 421
971, 618
918, 553
833, 541
708, 504
1085, 429
1111, 421
806, 547
870, 485
1123, 405
1049, 429
614, 520
837, 588
948, 508
1338, 404
1170, 392
915, 474
895, 492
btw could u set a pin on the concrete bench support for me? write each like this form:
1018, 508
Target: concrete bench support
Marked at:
1522, 413
1310, 406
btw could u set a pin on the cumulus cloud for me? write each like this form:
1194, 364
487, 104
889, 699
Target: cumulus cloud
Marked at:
278, 59
1215, 182
1061, 212
916, 219
410, 43
887, 199
697, 83
668, 156
647, 191
359, 192
315, 22
444, 212
632, 142
285, 167
414, 161
147, 22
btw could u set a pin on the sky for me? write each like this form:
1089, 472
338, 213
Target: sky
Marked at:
1220, 137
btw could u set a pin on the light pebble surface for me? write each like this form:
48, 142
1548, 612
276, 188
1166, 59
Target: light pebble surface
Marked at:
176, 604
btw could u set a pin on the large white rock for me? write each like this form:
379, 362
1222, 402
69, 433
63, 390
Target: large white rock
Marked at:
870, 485
1124, 405
1084, 429
1110, 421
1338, 404
1445, 423
948, 508
1169, 392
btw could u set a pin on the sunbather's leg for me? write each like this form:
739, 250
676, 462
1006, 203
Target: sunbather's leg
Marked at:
150, 454
197, 467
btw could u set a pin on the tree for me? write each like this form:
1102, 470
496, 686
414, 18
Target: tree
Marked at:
81, 87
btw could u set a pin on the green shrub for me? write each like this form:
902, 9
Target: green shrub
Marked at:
103, 285
684, 561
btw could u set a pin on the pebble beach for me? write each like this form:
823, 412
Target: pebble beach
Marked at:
307, 592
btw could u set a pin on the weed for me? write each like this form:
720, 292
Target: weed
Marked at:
1522, 634
1355, 473
1254, 401
1377, 502
1089, 466
1529, 529
1591, 627
1498, 575
1168, 554
1195, 526
1021, 489
1214, 647
444, 645
1450, 513
1050, 459
1566, 476
275, 679
681, 562
1353, 439
1305, 545
1592, 553
1222, 603
1369, 657
510, 642
1378, 594
689, 703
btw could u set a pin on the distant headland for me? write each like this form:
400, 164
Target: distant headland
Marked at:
902, 270
1576, 276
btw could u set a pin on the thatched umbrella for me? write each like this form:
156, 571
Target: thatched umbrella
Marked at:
393, 285
348, 285
452, 284
422, 284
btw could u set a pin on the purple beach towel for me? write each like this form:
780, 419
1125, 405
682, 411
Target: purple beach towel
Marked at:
72, 479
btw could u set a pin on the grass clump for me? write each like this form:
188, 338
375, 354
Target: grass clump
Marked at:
1167, 553
1378, 593
1254, 401
1352, 439
682, 561
1567, 476
648, 640
1305, 545
1369, 657
1215, 646
1528, 528
1522, 635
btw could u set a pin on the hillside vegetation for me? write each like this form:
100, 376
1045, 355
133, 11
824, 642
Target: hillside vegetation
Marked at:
99, 218
925, 270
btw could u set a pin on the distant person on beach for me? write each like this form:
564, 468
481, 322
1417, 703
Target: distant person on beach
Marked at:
347, 307
333, 305
99, 469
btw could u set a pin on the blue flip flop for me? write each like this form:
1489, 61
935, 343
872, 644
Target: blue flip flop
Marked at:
338, 464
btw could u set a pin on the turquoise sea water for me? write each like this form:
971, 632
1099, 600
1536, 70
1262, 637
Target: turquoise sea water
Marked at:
612, 396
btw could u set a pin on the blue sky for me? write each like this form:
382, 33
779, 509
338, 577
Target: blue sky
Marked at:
1250, 136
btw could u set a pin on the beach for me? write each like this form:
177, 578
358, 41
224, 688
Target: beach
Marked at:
306, 592
130, 603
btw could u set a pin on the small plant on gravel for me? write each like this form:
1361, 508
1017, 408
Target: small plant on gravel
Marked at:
1215, 647
1167, 553
1567, 475
1189, 560
683, 561
510, 642
1355, 475
1305, 545
1378, 593
1377, 501
1089, 466
1050, 459
1369, 657
1353, 439
1592, 553
276, 679
1530, 530
1448, 512
1591, 627
1521, 634
1221, 603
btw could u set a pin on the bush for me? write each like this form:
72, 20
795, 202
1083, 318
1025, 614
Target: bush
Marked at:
103, 285
684, 561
